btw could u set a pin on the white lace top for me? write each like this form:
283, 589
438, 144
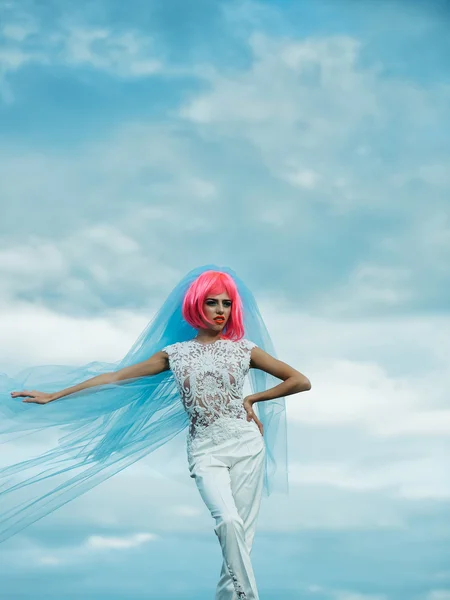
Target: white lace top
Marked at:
210, 379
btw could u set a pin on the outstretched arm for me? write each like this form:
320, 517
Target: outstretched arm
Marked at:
152, 366
293, 381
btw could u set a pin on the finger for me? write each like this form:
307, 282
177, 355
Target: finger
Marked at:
260, 425
22, 394
257, 421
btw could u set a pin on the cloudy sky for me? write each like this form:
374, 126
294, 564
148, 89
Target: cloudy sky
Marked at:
306, 145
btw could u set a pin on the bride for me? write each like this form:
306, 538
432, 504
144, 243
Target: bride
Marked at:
214, 335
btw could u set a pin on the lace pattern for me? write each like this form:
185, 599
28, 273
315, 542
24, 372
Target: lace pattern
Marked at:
210, 379
237, 586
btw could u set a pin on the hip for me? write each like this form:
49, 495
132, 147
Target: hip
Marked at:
226, 438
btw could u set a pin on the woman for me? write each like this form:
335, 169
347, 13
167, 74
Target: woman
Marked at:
226, 452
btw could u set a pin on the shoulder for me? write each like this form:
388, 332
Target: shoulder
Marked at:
246, 343
171, 349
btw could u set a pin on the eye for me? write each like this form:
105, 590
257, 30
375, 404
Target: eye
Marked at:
226, 303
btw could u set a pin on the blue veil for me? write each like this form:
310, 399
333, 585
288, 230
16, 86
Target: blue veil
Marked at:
103, 429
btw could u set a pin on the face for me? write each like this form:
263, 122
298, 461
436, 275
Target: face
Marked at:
216, 307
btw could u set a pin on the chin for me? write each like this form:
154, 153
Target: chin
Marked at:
215, 326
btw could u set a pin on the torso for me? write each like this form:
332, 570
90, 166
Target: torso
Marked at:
210, 379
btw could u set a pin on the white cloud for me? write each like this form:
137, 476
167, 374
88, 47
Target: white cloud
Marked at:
184, 510
438, 595
102, 542
13, 59
347, 595
425, 244
303, 178
330, 97
143, 166
260, 94
68, 340
313, 111
432, 423
378, 350
81, 553
369, 285
146, 168
98, 256
125, 54
357, 393
202, 188
18, 31
298, 97
409, 479
334, 594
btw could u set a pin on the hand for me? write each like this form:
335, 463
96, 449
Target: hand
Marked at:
251, 415
33, 396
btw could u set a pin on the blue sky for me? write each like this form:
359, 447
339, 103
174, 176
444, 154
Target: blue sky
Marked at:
304, 144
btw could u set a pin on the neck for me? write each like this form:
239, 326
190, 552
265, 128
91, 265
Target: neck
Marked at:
208, 336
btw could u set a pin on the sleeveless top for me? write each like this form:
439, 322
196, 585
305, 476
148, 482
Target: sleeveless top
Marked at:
210, 379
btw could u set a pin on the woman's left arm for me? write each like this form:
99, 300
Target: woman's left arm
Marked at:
293, 381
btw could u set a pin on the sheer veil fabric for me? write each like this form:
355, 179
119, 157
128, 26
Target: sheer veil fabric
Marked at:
101, 430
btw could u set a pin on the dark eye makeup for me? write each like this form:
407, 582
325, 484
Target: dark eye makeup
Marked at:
212, 302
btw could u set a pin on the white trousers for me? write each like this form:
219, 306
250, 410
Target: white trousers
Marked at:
230, 477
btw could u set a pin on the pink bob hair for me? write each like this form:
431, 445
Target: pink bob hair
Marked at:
212, 283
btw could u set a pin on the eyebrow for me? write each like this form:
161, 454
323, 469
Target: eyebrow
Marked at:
225, 299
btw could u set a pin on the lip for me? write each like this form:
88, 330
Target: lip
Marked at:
219, 319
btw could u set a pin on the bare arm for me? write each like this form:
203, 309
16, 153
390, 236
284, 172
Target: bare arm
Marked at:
152, 366
293, 382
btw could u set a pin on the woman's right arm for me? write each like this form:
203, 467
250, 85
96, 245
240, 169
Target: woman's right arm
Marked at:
157, 363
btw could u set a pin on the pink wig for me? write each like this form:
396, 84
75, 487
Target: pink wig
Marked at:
212, 283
